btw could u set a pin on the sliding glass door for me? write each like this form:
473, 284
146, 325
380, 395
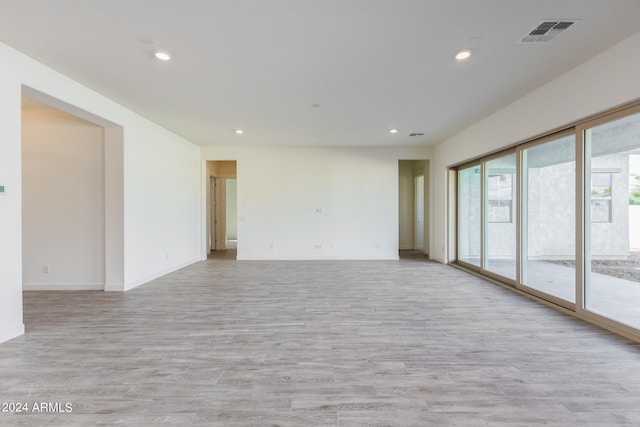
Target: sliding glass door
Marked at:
500, 215
549, 217
469, 215
487, 216
612, 218
558, 217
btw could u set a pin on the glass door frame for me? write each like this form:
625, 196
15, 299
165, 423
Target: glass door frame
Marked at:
523, 212
457, 207
484, 216
583, 221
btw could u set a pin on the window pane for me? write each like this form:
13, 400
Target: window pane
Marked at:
469, 209
500, 226
613, 274
549, 218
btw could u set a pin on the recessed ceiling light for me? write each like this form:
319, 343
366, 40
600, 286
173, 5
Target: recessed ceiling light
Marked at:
463, 54
162, 55
239, 131
393, 131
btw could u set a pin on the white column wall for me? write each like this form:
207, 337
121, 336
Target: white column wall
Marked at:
10, 208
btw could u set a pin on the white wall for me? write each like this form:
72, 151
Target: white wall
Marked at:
607, 80
63, 201
158, 186
162, 203
10, 205
232, 208
291, 199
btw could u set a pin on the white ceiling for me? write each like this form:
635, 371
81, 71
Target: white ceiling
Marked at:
259, 65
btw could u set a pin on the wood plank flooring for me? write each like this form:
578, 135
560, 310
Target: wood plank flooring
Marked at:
351, 343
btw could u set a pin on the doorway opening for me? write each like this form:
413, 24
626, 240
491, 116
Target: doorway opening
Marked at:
72, 198
222, 217
413, 192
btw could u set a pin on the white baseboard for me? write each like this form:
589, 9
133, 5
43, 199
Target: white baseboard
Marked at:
114, 287
293, 258
147, 279
11, 333
437, 258
63, 286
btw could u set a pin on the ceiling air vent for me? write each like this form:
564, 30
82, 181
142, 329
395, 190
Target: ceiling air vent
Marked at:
416, 134
547, 31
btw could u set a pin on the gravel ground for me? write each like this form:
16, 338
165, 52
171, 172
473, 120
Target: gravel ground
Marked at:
628, 269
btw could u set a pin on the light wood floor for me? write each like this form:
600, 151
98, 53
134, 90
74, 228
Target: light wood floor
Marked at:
226, 343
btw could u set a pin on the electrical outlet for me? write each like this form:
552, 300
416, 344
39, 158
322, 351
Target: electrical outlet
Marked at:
45, 269
317, 246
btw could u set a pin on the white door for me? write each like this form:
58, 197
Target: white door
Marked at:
419, 204
212, 225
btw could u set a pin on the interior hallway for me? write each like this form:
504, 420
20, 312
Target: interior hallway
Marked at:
346, 343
